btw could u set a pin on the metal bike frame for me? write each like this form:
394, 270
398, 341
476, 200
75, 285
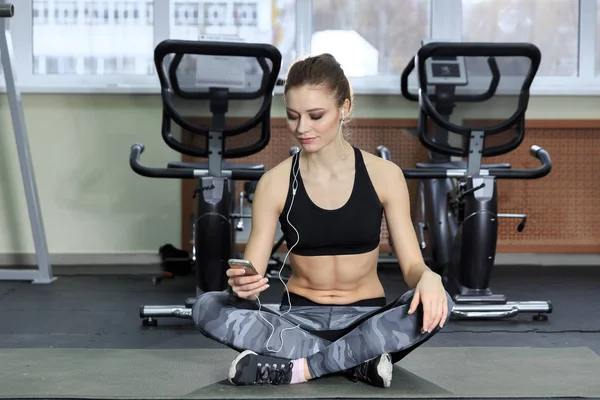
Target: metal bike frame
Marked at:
213, 228
457, 209
464, 247
43, 273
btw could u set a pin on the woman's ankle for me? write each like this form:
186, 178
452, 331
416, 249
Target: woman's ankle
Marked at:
306, 370
300, 371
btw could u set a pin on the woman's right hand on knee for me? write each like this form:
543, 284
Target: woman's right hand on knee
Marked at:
246, 287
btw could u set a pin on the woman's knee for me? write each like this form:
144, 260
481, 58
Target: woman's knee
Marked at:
208, 308
408, 296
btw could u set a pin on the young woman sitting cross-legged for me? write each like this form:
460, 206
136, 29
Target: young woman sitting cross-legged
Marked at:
330, 199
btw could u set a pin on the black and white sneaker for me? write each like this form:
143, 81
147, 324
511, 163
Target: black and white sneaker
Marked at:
377, 372
249, 368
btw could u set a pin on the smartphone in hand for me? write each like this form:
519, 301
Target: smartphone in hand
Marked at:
243, 264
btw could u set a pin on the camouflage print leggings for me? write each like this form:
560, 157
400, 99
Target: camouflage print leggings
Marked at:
331, 338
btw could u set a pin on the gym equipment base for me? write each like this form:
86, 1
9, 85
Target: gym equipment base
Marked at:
428, 372
508, 309
150, 313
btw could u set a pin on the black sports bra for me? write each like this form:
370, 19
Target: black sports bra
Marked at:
353, 228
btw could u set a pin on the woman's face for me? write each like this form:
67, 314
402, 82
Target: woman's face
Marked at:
312, 116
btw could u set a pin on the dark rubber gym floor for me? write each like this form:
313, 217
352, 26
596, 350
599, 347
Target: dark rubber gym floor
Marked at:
100, 311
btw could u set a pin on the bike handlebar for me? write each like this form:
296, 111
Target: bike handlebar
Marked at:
475, 49
185, 173
404, 81
442, 173
384, 152
7, 10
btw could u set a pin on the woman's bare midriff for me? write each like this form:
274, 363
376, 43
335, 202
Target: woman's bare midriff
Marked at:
342, 279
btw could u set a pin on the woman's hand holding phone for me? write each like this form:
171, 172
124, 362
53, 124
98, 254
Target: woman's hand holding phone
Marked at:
244, 280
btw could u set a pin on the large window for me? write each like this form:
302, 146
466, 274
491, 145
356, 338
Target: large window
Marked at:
92, 37
597, 37
370, 38
552, 25
108, 45
260, 21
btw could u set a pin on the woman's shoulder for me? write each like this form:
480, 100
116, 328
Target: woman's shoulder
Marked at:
280, 173
385, 175
379, 167
275, 182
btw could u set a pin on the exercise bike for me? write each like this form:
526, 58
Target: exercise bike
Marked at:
190, 71
456, 210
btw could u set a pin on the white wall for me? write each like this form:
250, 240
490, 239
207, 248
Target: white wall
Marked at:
91, 200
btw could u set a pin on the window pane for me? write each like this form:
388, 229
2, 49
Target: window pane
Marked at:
374, 37
85, 37
257, 21
598, 38
552, 25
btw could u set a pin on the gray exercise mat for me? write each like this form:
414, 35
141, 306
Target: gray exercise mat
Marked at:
429, 372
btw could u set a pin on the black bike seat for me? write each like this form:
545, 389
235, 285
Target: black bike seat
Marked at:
460, 165
225, 165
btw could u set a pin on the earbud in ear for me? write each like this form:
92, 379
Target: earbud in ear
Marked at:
342, 114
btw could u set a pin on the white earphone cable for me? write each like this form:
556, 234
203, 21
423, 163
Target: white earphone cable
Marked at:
295, 169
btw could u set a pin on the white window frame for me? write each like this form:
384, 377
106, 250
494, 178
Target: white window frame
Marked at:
445, 24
